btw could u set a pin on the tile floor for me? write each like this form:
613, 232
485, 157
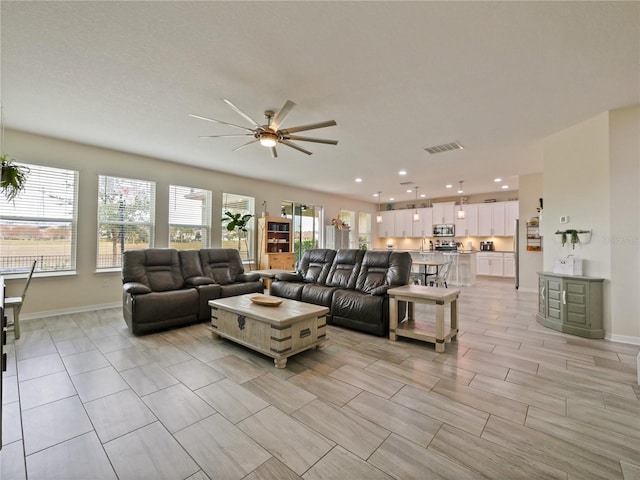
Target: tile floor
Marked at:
83, 399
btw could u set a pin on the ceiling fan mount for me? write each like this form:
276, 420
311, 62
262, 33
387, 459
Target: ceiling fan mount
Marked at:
270, 134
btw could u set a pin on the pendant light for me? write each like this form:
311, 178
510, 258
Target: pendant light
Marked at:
416, 215
379, 216
461, 211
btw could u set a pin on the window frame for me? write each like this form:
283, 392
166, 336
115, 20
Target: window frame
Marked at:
251, 227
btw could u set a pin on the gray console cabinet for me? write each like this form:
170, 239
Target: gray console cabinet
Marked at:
571, 304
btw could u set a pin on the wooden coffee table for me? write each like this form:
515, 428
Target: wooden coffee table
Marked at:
278, 332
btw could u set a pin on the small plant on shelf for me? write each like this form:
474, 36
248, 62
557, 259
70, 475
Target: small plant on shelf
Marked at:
574, 236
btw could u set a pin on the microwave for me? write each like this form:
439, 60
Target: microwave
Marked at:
444, 230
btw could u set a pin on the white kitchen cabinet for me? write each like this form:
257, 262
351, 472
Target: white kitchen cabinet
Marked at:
511, 215
491, 219
403, 223
490, 264
444, 212
387, 227
424, 228
468, 226
509, 265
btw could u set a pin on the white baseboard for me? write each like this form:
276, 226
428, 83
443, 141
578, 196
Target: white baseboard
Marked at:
623, 339
66, 311
528, 290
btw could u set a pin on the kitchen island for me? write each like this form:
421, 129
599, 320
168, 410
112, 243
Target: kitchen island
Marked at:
463, 271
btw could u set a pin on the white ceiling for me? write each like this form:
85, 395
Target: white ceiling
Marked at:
396, 76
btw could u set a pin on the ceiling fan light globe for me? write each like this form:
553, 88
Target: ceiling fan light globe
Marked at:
268, 140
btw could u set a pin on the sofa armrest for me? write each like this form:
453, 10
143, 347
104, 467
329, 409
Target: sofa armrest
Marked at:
289, 277
381, 290
197, 281
248, 277
135, 287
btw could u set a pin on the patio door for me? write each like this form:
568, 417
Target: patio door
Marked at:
307, 222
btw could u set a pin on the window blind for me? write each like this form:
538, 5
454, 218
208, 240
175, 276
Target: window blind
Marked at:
41, 222
189, 217
126, 215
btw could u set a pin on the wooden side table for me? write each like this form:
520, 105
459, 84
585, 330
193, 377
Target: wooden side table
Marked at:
267, 276
423, 329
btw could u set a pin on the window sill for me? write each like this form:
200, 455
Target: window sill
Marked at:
36, 274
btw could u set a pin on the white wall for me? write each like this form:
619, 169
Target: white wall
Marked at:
531, 190
88, 288
624, 242
591, 175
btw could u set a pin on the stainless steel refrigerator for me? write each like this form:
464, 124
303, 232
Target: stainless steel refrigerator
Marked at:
516, 251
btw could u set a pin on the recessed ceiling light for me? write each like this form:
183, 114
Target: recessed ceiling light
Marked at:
460, 191
409, 190
402, 172
422, 195
505, 186
448, 186
497, 180
391, 198
375, 194
358, 180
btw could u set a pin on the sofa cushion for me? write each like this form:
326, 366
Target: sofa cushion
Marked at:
157, 268
383, 269
345, 268
315, 265
234, 289
317, 294
361, 311
223, 265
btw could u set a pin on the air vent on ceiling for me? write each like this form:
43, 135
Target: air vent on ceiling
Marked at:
407, 183
445, 147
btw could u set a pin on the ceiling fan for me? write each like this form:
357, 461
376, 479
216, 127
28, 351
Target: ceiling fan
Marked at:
270, 134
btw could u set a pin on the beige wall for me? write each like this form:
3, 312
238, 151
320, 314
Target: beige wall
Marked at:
531, 190
591, 175
59, 294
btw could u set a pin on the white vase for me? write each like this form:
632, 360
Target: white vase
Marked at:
584, 237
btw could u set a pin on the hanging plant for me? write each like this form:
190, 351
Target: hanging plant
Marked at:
12, 178
569, 235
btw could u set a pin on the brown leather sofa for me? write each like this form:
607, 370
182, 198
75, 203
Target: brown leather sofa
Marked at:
165, 288
352, 283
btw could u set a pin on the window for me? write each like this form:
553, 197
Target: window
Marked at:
364, 231
125, 218
349, 218
189, 217
41, 223
244, 243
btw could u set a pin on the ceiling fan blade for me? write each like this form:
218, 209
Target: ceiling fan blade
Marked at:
227, 136
220, 121
244, 145
309, 139
274, 153
280, 116
241, 113
293, 145
328, 123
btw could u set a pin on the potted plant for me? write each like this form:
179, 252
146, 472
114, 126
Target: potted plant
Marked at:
238, 222
572, 236
12, 177
584, 236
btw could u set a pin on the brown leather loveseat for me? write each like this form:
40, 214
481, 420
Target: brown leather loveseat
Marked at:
165, 288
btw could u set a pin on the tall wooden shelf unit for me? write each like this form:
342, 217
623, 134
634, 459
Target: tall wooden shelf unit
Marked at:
275, 243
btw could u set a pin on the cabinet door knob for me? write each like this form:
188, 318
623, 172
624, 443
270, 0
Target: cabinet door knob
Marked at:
542, 293
564, 297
